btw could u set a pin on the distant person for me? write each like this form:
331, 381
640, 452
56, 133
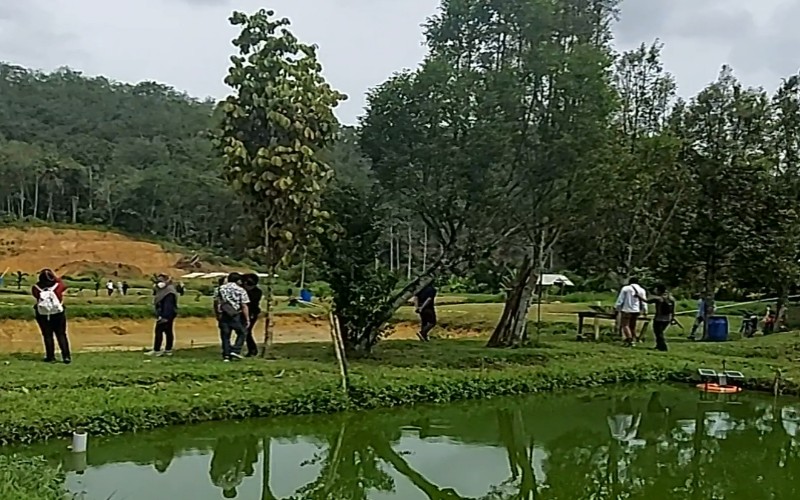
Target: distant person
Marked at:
50, 316
125, 288
165, 302
110, 288
426, 308
630, 307
181, 288
231, 307
703, 310
119, 287
665, 313
255, 295
96, 288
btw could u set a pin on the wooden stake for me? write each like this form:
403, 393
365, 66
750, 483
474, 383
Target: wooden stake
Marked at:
338, 348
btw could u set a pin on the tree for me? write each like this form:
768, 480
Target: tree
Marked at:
274, 125
646, 185
769, 256
563, 104
724, 130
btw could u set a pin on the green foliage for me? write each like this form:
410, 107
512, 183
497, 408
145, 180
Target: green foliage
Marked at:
362, 290
94, 151
23, 478
273, 127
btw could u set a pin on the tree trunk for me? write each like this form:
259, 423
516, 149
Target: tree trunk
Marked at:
50, 206
391, 248
36, 198
75, 209
510, 330
780, 307
22, 201
266, 489
425, 247
408, 273
303, 270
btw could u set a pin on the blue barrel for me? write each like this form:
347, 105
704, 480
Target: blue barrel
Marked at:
717, 329
305, 295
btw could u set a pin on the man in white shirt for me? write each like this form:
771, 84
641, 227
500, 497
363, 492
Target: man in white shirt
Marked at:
631, 302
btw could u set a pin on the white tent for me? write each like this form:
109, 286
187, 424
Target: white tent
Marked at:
554, 279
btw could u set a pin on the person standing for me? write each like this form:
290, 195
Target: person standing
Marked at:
110, 288
426, 308
630, 306
233, 315
665, 313
699, 318
97, 288
125, 288
165, 302
255, 295
50, 315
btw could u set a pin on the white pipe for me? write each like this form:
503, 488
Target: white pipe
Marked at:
79, 442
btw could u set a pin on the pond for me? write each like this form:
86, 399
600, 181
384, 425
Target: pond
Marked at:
654, 443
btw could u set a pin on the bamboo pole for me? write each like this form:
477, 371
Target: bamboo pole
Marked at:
338, 348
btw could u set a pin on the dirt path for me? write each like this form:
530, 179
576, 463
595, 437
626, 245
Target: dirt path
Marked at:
106, 334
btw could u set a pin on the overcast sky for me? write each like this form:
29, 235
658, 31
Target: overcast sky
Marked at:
186, 43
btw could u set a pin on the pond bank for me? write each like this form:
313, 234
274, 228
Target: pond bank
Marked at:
114, 392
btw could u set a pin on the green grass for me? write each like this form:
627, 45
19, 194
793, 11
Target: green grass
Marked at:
23, 478
109, 393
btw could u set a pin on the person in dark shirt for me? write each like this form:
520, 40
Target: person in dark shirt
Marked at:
426, 308
255, 294
665, 312
165, 303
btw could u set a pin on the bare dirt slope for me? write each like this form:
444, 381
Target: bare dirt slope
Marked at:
75, 251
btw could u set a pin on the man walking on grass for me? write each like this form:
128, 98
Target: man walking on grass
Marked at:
233, 315
426, 308
630, 304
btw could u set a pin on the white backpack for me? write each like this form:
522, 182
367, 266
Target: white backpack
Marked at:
48, 302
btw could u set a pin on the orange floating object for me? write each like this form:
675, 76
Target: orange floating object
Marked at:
719, 389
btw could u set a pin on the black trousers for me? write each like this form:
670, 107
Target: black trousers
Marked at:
165, 329
252, 346
51, 326
659, 327
227, 326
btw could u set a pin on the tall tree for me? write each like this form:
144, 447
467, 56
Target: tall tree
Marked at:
725, 131
274, 125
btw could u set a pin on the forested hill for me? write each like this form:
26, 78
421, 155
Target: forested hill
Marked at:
94, 151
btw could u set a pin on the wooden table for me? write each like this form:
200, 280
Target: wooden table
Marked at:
597, 316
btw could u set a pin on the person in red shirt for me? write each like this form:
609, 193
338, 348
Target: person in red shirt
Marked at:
49, 294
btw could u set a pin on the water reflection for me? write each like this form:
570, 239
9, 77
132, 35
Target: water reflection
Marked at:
663, 444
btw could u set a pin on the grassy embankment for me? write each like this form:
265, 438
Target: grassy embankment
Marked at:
109, 393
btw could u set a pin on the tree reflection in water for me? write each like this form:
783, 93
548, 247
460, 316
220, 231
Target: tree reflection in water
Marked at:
663, 445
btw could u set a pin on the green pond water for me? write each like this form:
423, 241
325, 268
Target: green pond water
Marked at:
648, 443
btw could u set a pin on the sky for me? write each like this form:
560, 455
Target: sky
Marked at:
186, 43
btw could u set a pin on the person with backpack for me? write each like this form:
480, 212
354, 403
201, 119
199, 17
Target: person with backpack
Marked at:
665, 313
231, 307
50, 315
165, 302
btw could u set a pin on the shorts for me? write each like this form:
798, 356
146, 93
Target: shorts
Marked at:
629, 320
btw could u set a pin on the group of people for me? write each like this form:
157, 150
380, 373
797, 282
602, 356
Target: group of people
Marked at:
237, 306
632, 303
